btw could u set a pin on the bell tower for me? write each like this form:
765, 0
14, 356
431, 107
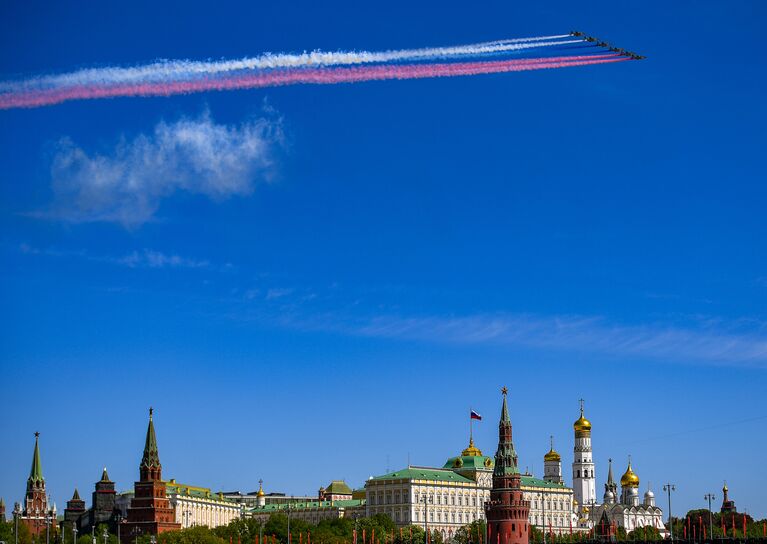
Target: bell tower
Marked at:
507, 511
584, 481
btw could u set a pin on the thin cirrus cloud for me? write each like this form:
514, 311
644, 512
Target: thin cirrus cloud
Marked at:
197, 156
705, 342
146, 258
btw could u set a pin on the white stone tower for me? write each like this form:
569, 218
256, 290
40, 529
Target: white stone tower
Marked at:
584, 482
552, 466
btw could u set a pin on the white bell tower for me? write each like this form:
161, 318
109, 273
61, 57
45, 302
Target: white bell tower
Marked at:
584, 482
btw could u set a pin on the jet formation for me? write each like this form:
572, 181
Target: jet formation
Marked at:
601, 43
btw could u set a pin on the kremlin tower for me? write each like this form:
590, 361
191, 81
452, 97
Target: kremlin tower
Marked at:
507, 511
37, 514
584, 482
150, 511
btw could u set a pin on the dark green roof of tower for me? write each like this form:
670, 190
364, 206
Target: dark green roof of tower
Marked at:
76, 496
338, 487
505, 456
151, 456
105, 476
36, 473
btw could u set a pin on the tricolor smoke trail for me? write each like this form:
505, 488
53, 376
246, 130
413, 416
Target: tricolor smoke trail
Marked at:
182, 77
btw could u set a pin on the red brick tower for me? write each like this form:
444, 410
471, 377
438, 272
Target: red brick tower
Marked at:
36, 514
507, 512
150, 511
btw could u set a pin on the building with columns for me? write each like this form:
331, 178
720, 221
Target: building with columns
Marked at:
37, 513
453, 495
199, 506
150, 511
337, 500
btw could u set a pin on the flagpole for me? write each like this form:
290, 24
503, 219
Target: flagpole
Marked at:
471, 425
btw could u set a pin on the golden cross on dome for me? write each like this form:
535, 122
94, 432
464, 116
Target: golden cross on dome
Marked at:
504, 390
581, 401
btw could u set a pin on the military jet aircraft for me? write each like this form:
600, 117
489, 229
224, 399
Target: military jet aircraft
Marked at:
576, 33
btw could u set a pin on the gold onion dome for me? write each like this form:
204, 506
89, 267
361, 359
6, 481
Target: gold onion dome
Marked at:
260, 489
582, 425
552, 455
472, 450
629, 478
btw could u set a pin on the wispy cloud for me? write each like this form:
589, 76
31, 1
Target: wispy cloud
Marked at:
708, 342
128, 184
146, 258
155, 259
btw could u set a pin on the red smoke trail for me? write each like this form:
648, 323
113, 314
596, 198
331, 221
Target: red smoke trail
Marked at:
319, 76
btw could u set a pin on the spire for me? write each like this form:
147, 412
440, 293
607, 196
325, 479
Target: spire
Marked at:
76, 496
151, 457
36, 473
505, 456
105, 476
504, 408
610, 479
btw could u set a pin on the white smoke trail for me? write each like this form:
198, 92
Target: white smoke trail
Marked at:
181, 69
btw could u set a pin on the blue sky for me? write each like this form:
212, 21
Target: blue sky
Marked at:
363, 263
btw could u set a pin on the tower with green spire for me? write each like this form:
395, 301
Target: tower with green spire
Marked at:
36, 509
150, 511
507, 511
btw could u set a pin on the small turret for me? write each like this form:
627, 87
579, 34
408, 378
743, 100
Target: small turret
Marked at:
649, 496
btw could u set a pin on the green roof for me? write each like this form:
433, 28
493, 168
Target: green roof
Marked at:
418, 473
468, 462
338, 487
194, 491
348, 503
36, 473
530, 481
151, 457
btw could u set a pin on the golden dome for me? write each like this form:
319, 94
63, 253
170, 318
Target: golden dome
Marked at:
472, 450
552, 455
582, 425
260, 489
629, 478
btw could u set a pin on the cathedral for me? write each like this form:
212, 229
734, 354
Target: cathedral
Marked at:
624, 510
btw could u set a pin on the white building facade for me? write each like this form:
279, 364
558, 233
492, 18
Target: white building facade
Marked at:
450, 497
197, 506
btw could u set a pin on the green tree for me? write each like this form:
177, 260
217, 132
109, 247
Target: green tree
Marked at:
473, 533
644, 533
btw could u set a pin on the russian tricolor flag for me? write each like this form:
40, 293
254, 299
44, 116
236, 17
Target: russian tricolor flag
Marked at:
475, 415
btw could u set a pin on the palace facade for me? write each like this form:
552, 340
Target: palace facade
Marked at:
448, 497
